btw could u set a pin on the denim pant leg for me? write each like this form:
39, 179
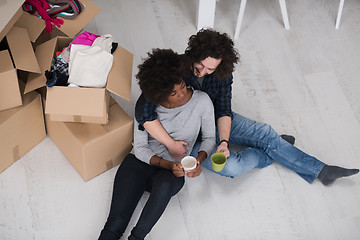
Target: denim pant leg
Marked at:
162, 186
125, 196
262, 136
238, 162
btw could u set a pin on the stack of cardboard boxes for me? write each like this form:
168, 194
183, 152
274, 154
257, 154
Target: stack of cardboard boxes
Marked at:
86, 124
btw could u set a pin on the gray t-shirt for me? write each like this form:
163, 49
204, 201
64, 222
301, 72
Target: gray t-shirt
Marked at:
181, 123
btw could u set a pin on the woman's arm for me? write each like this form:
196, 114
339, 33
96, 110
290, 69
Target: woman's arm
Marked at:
145, 154
175, 167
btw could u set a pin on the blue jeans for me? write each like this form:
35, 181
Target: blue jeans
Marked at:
132, 179
264, 147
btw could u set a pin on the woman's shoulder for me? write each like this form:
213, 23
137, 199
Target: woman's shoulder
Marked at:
202, 96
199, 93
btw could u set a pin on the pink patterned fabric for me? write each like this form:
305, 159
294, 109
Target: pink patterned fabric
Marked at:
41, 6
85, 38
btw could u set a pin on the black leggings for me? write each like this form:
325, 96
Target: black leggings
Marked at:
132, 179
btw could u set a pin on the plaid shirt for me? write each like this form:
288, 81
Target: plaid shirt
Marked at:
219, 92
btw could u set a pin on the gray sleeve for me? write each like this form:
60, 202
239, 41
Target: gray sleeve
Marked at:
141, 144
208, 131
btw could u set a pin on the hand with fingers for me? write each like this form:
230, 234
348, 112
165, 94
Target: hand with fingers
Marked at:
195, 172
177, 169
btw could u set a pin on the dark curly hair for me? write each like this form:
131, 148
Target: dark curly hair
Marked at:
159, 72
210, 43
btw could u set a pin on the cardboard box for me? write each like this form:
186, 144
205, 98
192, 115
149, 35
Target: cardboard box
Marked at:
45, 52
16, 51
12, 14
9, 86
71, 27
86, 105
24, 28
20, 29
21, 129
93, 148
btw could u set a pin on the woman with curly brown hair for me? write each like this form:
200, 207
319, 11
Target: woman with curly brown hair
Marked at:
183, 112
213, 58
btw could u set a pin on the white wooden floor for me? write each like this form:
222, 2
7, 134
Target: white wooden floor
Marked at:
304, 82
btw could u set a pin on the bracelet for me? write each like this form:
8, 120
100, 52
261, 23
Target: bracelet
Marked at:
224, 140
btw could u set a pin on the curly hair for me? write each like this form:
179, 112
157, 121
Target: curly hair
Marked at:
210, 43
159, 72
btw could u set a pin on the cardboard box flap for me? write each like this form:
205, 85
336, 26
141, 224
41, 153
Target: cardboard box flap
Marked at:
9, 89
75, 101
119, 79
10, 95
34, 25
71, 27
118, 118
21, 50
44, 53
7, 114
6, 63
9, 14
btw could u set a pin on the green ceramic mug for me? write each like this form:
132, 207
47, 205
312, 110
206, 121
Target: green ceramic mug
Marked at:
218, 161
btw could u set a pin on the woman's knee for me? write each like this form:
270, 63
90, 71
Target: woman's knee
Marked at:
126, 164
170, 186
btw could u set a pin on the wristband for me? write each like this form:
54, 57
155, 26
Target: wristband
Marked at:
224, 140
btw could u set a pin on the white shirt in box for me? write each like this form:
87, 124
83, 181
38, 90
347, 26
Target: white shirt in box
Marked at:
89, 66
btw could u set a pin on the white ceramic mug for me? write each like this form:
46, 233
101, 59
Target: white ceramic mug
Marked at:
188, 163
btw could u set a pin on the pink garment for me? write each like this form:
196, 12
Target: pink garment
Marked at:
85, 38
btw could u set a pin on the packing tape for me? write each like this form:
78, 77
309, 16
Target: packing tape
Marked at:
109, 164
16, 153
77, 118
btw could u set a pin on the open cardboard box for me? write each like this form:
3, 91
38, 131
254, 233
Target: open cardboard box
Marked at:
35, 26
21, 129
71, 27
21, 29
93, 148
16, 51
86, 105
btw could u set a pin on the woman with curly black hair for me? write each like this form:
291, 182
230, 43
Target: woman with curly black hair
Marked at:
183, 112
159, 73
213, 57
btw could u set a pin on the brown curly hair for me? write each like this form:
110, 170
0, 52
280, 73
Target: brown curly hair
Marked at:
159, 72
210, 43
